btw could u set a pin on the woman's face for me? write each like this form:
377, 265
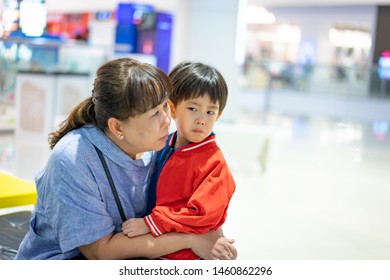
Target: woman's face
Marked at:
145, 132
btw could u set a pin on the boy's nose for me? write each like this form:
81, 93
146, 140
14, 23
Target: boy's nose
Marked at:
200, 121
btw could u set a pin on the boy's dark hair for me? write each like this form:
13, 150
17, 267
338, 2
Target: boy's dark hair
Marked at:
195, 79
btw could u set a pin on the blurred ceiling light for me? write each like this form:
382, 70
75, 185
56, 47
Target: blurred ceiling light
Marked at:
283, 33
9, 18
259, 15
32, 17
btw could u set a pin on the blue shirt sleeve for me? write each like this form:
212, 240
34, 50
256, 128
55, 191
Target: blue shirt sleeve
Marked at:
79, 213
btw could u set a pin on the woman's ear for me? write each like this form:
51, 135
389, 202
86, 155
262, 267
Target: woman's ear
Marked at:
114, 126
172, 107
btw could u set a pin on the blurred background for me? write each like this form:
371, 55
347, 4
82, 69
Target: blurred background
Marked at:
305, 131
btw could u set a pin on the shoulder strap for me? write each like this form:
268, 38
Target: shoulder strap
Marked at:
115, 193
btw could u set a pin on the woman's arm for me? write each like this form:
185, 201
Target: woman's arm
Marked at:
118, 246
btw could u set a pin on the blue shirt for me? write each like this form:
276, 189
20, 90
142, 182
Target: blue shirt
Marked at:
75, 204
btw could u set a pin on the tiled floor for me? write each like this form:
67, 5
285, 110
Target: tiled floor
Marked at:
306, 188
325, 192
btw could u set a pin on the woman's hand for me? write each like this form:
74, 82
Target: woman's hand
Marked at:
213, 246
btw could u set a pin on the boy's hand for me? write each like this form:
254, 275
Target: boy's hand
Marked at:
134, 227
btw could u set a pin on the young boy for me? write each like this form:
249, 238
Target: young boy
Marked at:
194, 184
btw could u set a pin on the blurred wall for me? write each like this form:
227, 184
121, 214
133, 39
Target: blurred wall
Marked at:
316, 21
210, 37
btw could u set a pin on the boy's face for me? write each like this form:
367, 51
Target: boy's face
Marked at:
195, 119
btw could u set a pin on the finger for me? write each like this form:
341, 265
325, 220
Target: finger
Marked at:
227, 244
226, 255
232, 256
220, 253
230, 249
234, 252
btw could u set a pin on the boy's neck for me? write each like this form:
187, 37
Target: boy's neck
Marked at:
178, 141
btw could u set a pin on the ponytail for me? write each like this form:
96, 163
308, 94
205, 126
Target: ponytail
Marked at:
82, 114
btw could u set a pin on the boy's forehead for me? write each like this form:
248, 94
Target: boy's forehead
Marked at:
202, 99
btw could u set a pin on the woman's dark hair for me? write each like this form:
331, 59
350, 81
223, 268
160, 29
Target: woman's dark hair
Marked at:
123, 88
195, 79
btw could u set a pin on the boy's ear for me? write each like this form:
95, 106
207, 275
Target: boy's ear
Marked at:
172, 107
219, 114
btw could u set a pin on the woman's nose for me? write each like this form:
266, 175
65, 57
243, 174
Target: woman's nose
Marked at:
167, 118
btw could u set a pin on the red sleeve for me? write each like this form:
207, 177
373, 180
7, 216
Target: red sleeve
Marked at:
206, 208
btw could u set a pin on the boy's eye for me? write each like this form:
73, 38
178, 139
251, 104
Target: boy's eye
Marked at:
211, 112
192, 109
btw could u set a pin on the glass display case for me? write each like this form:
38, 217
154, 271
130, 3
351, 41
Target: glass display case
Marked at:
42, 79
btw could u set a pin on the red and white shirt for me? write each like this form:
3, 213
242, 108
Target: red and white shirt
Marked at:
194, 189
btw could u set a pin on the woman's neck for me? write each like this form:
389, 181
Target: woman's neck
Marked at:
122, 145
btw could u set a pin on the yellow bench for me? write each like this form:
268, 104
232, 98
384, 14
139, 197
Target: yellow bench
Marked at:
16, 192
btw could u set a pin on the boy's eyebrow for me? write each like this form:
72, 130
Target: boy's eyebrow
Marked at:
214, 106
193, 102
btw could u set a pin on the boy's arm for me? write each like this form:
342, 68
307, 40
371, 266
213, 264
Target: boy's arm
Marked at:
205, 209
